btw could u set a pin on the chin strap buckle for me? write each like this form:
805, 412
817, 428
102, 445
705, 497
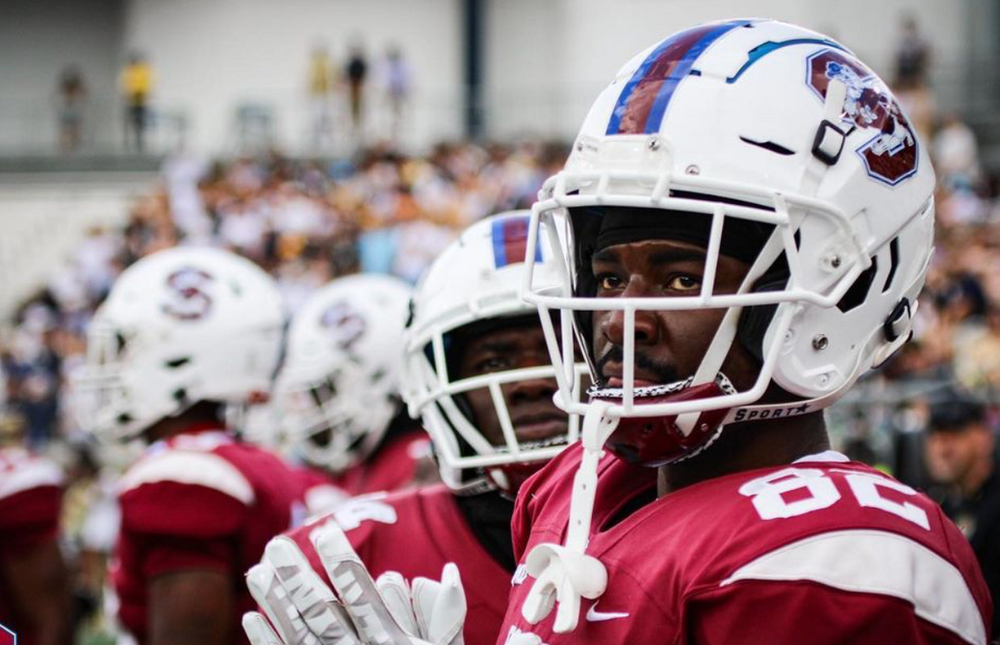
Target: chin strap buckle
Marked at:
828, 142
897, 323
896, 329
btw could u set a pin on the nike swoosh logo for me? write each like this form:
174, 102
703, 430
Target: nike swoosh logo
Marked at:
595, 616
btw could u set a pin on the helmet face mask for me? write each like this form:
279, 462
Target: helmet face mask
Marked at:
338, 390
336, 421
463, 444
475, 282
729, 141
101, 390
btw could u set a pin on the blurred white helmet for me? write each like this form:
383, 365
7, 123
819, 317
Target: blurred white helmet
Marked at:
261, 424
475, 279
180, 326
338, 389
747, 132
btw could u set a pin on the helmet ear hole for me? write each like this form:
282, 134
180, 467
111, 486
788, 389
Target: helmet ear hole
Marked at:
893, 263
858, 292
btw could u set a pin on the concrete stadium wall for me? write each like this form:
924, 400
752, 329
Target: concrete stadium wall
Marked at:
38, 39
210, 57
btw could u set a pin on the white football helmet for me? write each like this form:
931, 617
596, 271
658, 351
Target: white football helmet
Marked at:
746, 125
476, 279
338, 389
180, 326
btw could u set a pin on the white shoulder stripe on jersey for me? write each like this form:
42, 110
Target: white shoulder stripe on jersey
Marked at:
882, 563
189, 467
31, 473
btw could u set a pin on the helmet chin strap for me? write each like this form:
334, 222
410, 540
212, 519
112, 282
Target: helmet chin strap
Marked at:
565, 574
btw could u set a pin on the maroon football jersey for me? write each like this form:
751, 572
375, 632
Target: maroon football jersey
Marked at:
393, 467
200, 500
416, 532
821, 551
31, 490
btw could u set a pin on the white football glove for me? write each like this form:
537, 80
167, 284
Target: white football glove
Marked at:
358, 611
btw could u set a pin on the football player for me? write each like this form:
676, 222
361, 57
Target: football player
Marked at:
185, 335
338, 391
751, 217
34, 583
478, 374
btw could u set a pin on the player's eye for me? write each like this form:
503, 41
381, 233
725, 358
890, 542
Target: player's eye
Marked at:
492, 364
609, 282
683, 283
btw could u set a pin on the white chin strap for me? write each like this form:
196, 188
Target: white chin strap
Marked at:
565, 574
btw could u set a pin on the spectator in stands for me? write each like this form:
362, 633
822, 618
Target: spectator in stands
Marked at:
956, 152
912, 62
244, 228
913, 56
72, 93
32, 368
398, 79
961, 455
321, 81
977, 361
93, 259
356, 73
136, 84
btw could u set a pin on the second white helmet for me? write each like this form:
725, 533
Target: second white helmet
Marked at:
338, 390
476, 279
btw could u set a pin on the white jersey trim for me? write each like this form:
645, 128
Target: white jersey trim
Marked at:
31, 472
189, 467
324, 498
880, 562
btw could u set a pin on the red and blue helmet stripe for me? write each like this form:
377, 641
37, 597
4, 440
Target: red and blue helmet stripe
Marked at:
644, 99
510, 241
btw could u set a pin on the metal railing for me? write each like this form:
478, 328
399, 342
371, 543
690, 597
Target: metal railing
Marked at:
286, 118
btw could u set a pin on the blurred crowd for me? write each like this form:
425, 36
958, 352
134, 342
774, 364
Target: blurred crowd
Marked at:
305, 222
